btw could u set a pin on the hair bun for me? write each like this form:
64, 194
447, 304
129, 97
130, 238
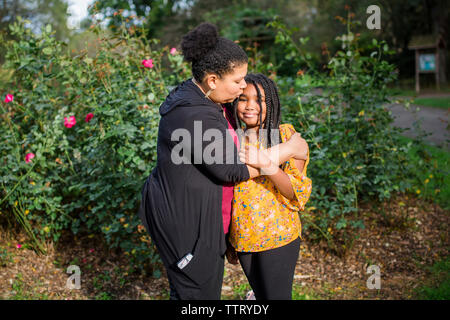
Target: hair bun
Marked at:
197, 42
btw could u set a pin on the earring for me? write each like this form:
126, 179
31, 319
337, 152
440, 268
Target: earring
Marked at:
208, 93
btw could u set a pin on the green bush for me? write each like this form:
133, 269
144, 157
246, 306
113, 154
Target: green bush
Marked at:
87, 177
355, 154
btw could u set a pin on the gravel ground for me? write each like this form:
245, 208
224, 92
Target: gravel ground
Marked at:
411, 236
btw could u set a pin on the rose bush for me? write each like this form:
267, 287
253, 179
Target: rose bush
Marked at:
59, 173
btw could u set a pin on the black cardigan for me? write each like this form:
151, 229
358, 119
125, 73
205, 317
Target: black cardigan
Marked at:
181, 204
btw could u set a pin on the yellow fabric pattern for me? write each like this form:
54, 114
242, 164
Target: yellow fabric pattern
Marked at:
262, 218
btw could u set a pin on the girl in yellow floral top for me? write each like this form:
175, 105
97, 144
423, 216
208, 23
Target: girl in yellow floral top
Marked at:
265, 226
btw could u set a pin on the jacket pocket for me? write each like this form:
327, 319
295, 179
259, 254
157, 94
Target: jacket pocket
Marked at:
202, 265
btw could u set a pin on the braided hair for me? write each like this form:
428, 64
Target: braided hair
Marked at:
273, 108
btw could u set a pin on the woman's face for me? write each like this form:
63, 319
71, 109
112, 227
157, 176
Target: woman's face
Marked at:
248, 108
230, 86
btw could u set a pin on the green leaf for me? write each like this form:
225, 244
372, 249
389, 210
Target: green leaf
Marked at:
48, 51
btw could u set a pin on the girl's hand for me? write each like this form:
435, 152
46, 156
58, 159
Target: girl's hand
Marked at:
298, 146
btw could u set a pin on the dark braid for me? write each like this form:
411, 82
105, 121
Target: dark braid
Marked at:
273, 108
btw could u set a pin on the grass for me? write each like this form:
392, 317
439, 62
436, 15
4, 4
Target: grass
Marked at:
299, 293
407, 88
22, 291
438, 287
5, 257
239, 291
432, 176
435, 102
397, 92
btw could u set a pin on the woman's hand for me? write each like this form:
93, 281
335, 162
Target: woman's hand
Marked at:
254, 157
298, 146
251, 135
232, 255
258, 158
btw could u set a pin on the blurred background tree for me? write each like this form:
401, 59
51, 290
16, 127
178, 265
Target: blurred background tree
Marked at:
38, 12
319, 20
246, 21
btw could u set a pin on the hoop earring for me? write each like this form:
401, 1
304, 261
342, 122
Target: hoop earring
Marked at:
208, 93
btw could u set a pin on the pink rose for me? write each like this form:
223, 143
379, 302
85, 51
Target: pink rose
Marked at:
28, 157
147, 63
9, 98
89, 116
69, 122
173, 51
19, 246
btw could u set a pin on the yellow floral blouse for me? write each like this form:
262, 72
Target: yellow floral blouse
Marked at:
262, 218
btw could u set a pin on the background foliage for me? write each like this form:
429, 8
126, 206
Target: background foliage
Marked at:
88, 178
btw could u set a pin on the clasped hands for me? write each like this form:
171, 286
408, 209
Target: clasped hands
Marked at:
266, 160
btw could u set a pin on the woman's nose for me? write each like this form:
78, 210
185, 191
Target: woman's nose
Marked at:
243, 84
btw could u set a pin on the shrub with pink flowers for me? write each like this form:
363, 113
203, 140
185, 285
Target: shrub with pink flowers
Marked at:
59, 172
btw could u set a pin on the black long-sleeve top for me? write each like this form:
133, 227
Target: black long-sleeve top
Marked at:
182, 203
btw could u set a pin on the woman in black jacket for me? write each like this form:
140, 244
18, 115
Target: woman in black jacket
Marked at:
183, 198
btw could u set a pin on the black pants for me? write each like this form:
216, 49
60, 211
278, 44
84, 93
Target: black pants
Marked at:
271, 272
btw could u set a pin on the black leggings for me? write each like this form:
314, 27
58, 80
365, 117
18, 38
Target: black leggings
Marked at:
271, 272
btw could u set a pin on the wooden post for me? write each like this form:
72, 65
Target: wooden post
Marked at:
437, 68
417, 72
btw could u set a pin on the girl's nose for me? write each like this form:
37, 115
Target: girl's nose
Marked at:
252, 105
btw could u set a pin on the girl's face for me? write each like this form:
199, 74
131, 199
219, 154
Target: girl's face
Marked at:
229, 86
248, 108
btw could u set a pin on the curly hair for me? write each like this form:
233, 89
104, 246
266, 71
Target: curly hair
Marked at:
273, 108
208, 52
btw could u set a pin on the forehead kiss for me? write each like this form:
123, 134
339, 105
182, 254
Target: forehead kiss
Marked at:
250, 108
